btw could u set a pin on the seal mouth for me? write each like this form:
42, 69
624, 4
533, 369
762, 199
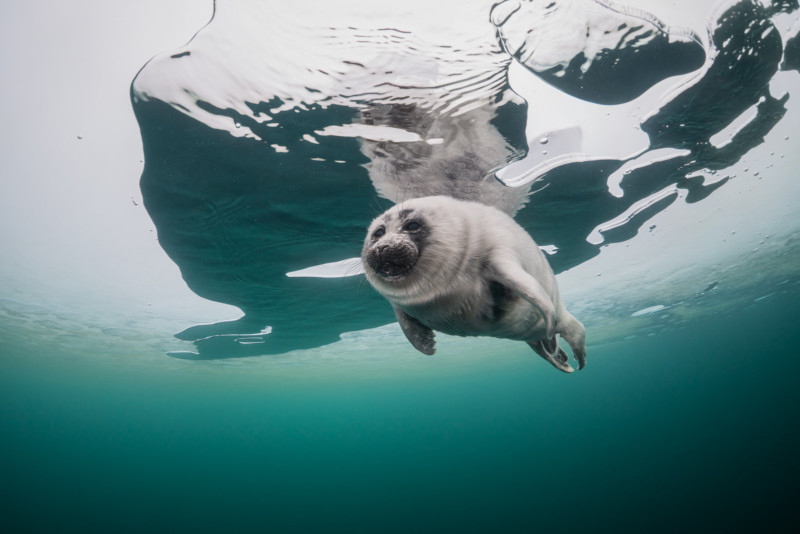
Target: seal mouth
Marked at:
392, 263
393, 272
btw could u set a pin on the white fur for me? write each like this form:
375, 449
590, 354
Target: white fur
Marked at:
468, 246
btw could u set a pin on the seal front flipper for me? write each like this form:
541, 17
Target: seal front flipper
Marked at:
550, 351
417, 333
512, 275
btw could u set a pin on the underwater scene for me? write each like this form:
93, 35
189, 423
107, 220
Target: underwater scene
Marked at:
190, 340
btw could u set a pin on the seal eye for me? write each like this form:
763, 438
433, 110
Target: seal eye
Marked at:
379, 232
410, 226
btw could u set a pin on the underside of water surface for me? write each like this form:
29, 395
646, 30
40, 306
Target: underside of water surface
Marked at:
608, 133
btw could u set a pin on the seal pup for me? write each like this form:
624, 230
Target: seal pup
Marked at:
468, 269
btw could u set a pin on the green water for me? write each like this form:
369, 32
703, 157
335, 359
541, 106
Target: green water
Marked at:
689, 430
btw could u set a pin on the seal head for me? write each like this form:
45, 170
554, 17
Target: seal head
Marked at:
395, 244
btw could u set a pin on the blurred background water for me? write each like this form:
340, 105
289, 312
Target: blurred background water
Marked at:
187, 344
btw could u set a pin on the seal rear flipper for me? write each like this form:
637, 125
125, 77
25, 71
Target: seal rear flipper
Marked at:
417, 333
511, 274
573, 332
550, 351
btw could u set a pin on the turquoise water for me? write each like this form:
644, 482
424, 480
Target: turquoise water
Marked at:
187, 343
690, 430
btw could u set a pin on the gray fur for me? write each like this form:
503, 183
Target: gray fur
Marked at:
469, 270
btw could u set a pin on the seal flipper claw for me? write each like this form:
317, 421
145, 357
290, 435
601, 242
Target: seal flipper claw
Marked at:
417, 333
550, 351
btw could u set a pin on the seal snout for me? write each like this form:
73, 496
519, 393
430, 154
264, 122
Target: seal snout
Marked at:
392, 260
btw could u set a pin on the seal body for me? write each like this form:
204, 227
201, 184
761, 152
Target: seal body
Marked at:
467, 269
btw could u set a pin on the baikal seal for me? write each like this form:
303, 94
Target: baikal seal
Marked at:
468, 269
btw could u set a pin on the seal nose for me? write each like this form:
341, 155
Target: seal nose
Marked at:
392, 254
392, 258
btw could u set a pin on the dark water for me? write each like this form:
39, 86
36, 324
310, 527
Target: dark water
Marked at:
692, 430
